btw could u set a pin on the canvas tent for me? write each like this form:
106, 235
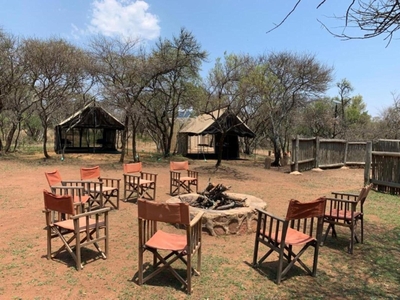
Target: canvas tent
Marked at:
91, 129
201, 134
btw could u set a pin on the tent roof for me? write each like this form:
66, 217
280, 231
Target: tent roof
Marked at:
206, 124
92, 117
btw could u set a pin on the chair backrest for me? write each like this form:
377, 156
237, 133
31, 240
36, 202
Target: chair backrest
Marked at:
90, 173
53, 178
133, 167
177, 213
179, 165
302, 210
59, 203
364, 193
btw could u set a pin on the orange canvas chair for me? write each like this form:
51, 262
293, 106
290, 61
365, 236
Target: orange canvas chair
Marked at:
74, 230
106, 192
166, 248
67, 187
302, 228
346, 209
138, 184
182, 178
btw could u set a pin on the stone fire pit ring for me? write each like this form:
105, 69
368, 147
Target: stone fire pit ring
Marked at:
238, 220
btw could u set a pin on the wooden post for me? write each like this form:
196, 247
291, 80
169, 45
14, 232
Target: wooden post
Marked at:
316, 152
368, 161
345, 152
296, 154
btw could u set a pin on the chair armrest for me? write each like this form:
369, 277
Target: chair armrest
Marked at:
196, 218
338, 208
194, 174
109, 178
149, 176
131, 177
264, 212
110, 182
342, 194
92, 212
64, 187
338, 200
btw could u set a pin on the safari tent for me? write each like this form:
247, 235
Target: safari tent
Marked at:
91, 129
199, 136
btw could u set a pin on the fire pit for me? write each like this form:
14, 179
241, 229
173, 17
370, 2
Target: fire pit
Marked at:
239, 219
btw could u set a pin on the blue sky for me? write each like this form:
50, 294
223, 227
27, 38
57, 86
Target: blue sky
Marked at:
232, 26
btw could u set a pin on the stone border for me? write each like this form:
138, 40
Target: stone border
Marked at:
239, 220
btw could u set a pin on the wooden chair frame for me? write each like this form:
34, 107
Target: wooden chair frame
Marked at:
102, 191
302, 227
139, 184
177, 247
346, 209
77, 193
74, 230
68, 187
181, 177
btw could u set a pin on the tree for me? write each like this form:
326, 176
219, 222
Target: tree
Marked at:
389, 123
15, 98
56, 72
228, 86
175, 85
374, 17
317, 118
123, 74
289, 82
358, 120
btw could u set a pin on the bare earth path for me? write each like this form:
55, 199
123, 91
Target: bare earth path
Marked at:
25, 273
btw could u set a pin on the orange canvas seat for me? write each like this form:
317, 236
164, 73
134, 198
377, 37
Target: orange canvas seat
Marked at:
67, 187
102, 190
346, 209
301, 229
165, 247
74, 230
137, 183
182, 178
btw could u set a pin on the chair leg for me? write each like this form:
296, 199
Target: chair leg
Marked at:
362, 229
326, 233
280, 266
189, 273
140, 272
352, 237
315, 262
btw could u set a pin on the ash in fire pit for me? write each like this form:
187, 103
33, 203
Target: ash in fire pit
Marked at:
215, 197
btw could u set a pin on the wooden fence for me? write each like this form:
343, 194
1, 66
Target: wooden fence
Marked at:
381, 159
309, 153
382, 167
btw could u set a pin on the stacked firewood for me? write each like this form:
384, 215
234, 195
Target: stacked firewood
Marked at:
215, 197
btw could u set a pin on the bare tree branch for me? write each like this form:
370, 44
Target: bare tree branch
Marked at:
374, 17
286, 17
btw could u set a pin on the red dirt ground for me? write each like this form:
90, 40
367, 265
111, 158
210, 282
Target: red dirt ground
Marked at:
27, 274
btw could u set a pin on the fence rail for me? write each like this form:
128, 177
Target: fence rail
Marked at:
309, 153
381, 159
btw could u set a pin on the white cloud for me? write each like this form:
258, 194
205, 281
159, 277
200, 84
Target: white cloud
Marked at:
126, 18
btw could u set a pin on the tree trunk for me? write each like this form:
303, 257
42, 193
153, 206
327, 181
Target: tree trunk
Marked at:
124, 140
277, 153
220, 150
10, 137
17, 137
45, 153
135, 156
